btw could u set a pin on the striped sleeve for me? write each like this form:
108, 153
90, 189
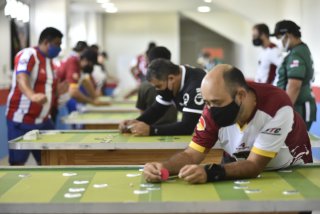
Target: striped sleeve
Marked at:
25, 61
205, 133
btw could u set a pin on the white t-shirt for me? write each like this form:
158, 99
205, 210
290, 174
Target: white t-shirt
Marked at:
270, 59
275, 130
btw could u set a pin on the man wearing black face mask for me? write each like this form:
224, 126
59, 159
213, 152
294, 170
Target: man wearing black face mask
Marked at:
147, 92
270, 56
76, 70
175, 85
296, 72
255, 133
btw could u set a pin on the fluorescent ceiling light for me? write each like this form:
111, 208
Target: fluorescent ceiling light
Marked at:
17, 10
204, 9
107, 5
207, 1
112, 10
103, 1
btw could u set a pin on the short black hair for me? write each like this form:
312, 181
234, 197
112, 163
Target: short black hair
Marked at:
160, 69
80, 46
90, 55
151, 45
234, 78
50, 34
104, 54
159, 52
95, 47
262, 29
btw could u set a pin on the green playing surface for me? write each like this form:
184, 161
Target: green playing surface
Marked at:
101, 116
115, 105
109, 99
97, 137
48, 185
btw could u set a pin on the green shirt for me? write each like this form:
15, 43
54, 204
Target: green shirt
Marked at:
298, 64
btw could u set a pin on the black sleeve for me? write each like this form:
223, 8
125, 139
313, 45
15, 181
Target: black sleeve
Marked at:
153, 113
184, 127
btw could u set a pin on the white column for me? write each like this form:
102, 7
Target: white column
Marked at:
5, 51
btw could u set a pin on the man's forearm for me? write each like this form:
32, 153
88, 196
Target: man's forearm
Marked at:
241, 169
249, 168
153, 113
77, 95
87, 84
179, 160
176, 162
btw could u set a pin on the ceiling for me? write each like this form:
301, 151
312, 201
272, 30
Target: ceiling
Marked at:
141, 6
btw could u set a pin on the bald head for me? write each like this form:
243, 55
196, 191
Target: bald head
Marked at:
216, 75
221, 83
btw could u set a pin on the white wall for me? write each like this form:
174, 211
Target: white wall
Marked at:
235, 19
5, 44
77, 28
127, 35
48, 13
95, 30
306, 14
311, 31
235, 28
87, 27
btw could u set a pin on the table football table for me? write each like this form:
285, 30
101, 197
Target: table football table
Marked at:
122, 189
96, 147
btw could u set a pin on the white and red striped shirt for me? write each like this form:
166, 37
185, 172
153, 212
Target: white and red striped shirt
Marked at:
42, 78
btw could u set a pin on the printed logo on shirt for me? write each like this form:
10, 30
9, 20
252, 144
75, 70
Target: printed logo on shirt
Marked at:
201, 126
23, 61
185, 99
198, 98
242, 147
272, 131
294, 64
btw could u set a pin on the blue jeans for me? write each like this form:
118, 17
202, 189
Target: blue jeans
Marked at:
15, 130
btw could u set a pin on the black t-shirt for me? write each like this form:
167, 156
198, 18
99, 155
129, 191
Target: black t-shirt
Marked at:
189, 98
189, 101
146, 97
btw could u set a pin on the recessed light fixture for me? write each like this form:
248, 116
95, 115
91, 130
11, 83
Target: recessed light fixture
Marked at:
207, 1
204, 9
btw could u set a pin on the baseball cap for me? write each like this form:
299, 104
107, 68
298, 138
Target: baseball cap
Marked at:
285, 26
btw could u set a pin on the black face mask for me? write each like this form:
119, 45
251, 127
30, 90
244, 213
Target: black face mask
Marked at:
257, 42
166, 94
225, 116
87, 69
